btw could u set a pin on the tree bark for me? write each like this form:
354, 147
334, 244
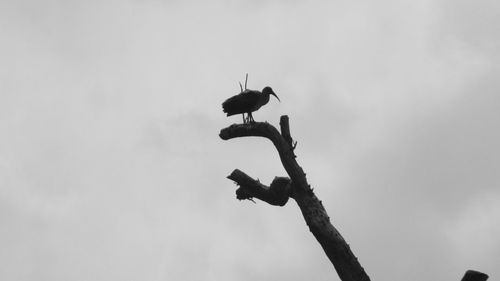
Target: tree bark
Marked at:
296, 186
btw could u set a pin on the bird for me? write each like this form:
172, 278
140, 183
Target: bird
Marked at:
247, 102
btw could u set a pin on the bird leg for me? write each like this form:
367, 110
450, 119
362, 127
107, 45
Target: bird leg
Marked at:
244, 121
250, 117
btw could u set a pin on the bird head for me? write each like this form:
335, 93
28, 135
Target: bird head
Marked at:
269, 91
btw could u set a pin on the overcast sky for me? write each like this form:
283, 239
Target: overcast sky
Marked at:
111, 167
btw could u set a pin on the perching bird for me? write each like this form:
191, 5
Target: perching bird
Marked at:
247, 102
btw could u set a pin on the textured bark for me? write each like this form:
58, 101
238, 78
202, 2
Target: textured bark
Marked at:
277, 194
297, 187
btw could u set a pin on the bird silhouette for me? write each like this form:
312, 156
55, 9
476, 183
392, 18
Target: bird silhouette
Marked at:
247, 102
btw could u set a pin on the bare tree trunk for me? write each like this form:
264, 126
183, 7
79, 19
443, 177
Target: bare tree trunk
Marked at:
297, 187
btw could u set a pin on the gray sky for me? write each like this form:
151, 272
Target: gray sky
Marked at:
111, 167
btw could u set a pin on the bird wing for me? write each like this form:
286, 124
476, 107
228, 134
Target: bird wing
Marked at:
241, 103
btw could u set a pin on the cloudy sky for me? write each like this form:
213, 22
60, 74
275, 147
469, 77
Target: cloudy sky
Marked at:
111, 167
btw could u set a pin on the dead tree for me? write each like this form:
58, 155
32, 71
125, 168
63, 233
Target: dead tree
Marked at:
296, 187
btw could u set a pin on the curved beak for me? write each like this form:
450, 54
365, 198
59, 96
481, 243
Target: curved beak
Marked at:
272, 93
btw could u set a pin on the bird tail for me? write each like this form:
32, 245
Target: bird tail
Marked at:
228, 111
232, 106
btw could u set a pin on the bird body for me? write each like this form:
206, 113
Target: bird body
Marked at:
247, 101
